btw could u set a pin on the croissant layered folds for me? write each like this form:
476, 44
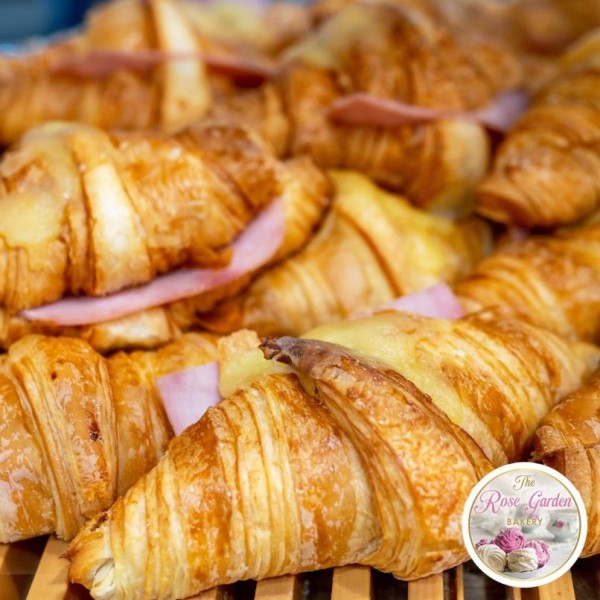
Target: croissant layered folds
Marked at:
370, 462
77, 430
34, 88
387, 52
569, 441
371, 248
84, 211
180, 201
88, 212
137, 65
551, 281
545, 173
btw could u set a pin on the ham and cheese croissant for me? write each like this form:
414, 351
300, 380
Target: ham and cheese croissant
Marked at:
85, 212
39, 87
371, 248
77, 430
138, 65
331, 101
550, 281
546, 172
569, 441
370, 462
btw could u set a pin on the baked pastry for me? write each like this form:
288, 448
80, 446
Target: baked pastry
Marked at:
371, 461
545, 173
552, 281
39, 87
569, 441
384, 53
372, 247
77, 430
138, 65
180, 200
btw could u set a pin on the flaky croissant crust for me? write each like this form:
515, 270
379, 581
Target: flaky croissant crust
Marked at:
78, 430
569, 440
545, 172
551, 281
395, 53
250, 490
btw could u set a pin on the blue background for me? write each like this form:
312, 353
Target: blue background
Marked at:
24, 18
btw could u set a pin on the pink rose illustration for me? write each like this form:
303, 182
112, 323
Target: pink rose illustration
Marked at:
559, 524
509, 539
541, 549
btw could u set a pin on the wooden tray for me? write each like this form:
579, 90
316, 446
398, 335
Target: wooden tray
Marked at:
33, 570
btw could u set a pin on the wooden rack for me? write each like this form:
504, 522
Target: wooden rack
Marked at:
33, 570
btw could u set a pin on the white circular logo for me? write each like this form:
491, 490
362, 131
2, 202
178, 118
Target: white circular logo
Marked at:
524, 524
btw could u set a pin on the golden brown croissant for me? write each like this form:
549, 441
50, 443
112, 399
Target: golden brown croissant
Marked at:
371, 248
550, 281
35, 89
144, 64
304, 192
372, 465
85, 211
545, 172
77, 430
388, 53
569, 441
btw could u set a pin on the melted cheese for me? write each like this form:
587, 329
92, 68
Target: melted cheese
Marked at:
325, 48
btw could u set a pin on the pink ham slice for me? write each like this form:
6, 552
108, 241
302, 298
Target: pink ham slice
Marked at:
102, 63
365, 109
438, 301
188, 394
251, 250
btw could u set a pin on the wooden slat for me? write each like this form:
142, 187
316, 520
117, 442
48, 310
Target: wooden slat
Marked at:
18, 562
213, 594
351, 583
514, 594
51, 579
460, 583
9, 583
429, 588
278, 588
561, 589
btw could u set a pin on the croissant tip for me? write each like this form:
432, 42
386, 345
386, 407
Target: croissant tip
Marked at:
271, 349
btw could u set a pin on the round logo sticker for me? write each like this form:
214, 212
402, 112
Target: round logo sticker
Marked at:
524, 524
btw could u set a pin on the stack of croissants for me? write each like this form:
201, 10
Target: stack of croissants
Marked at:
280, 283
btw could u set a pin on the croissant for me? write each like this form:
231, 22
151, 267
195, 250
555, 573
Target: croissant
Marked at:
550, 281
372, 247
388, 53
209, 182
34, 88
137, 65
545, 172
370, 463
108, 211
77, 430
569, 440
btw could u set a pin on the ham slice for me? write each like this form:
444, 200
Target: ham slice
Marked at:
188, 394
438, 301
365, 109
251, 250
102, 63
